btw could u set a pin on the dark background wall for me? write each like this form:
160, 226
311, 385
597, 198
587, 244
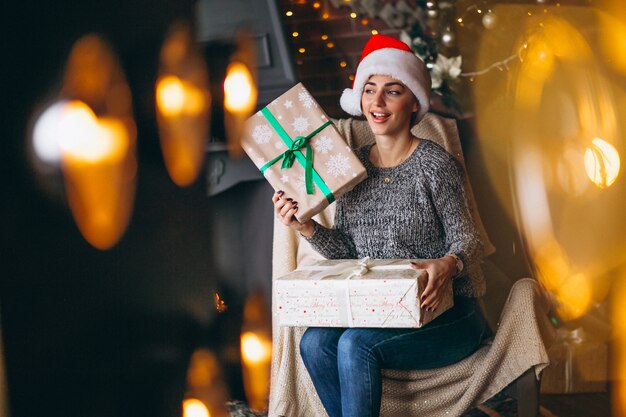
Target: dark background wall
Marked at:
109, 333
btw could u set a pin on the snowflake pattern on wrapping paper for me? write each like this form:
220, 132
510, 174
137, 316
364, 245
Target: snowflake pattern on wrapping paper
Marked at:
262, 134
258, 160
300, 124
301, 184
284, 178
268, 173
323, 144
288, 104
337, 165
305, 98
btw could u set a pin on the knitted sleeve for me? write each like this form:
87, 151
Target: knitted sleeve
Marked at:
333, 243
444, 178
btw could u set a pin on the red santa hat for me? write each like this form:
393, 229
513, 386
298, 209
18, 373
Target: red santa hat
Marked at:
384, 55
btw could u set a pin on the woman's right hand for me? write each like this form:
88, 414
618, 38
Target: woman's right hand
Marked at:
285, 209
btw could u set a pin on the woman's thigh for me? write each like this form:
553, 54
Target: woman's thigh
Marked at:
442, 342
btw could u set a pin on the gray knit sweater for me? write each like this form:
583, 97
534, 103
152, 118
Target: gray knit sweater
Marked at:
416, 210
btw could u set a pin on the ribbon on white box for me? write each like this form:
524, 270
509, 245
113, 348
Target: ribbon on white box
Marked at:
354, 268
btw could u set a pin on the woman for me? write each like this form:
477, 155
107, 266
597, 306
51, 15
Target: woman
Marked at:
411, 206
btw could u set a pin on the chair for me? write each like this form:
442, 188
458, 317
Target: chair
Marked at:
510, 362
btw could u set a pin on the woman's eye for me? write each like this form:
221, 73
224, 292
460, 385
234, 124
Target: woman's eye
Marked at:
369, 91
393, 92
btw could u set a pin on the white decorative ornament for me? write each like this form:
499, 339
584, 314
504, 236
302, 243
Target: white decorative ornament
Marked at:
262, 134
300, 124
445, 68
323, 144
338, 165
448, 38
288, 104
490, 20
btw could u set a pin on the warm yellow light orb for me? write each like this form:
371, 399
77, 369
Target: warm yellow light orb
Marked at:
83, 137
170, 95
253, 349
602, 163
193, 407
574, 297
239, 89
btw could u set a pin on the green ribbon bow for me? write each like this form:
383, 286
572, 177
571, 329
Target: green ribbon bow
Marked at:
293, 152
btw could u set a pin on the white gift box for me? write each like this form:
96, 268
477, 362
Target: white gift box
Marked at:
355, 293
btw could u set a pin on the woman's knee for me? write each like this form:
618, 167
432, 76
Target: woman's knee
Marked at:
354, 345
318, 343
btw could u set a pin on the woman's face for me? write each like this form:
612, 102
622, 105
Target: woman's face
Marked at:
387, 104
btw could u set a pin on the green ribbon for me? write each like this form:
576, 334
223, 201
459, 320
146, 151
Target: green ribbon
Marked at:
293, 152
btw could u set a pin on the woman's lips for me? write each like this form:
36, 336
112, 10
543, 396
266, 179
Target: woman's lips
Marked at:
379, 117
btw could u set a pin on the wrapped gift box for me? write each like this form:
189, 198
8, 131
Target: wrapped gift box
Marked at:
577, 364
353, 293
278, 138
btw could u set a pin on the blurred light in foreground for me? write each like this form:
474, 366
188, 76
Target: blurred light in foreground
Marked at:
183, 105
602, 163
97, 175
87, 139
556, 98
256, 354
613, 37
46, 133
206, 389
256, 351
239, 89
90, 132
193, 407
176, 97
253, 349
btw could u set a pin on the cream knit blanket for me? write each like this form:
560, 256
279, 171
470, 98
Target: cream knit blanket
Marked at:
519, 344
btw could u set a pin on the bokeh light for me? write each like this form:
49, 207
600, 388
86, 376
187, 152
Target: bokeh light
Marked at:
90, 133
183, 105
193, 407
253, 349
239, 89
602, 163
559, 150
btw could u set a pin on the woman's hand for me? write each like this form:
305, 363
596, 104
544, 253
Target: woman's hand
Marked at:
440, 272
286, 209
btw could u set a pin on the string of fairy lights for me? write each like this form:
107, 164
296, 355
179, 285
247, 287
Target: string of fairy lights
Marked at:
431, 27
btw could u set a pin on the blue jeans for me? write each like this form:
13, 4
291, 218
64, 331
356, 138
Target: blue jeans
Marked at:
345, 364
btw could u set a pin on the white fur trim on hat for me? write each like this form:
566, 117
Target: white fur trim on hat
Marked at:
402, 65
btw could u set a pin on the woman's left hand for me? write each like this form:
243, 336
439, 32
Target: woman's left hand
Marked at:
440, 272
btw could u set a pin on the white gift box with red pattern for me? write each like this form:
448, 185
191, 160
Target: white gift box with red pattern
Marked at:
355, 293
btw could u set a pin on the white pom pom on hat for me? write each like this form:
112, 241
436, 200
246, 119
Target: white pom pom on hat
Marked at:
384, 55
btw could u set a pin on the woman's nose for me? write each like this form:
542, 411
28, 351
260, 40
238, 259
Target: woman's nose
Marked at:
379, 98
